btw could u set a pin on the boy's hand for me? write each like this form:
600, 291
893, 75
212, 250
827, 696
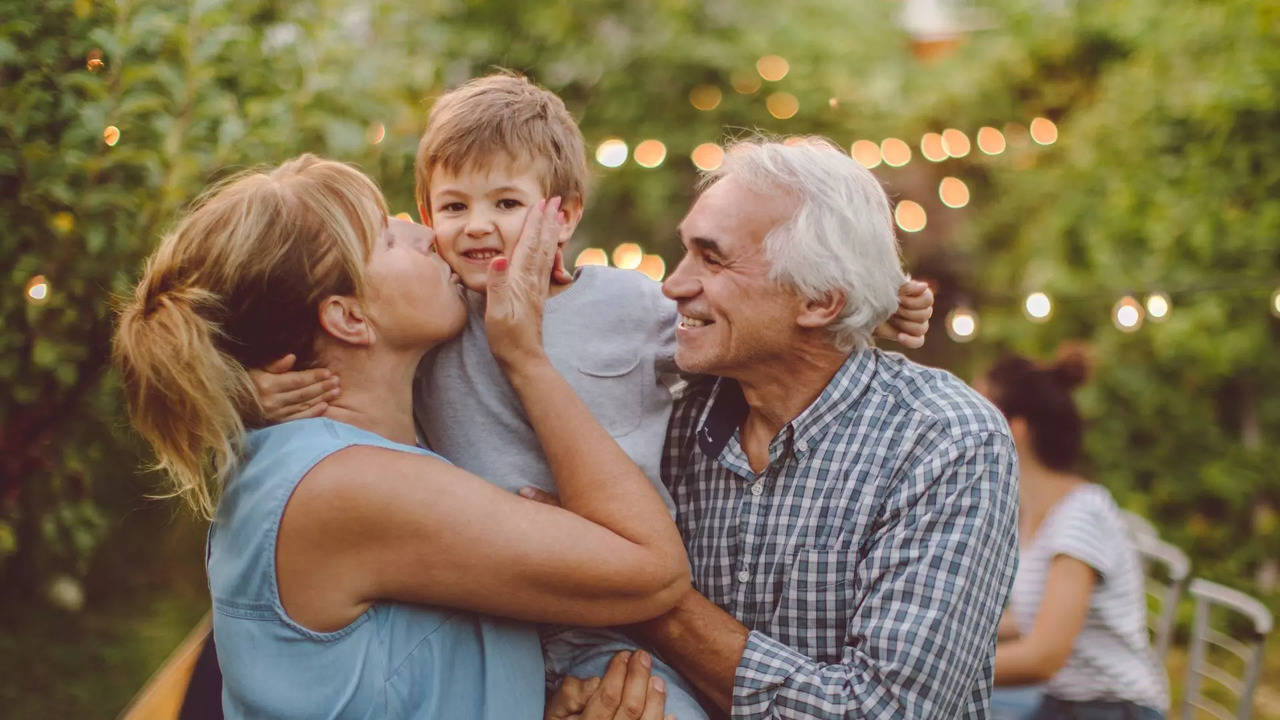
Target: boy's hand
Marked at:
285, 395
910, 323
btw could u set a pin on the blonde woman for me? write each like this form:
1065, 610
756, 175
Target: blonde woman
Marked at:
354, 574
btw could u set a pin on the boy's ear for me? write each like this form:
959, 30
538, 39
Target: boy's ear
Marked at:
821, 312
423, 214
573, 212
343, 317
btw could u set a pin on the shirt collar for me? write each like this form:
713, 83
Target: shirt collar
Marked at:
727, 407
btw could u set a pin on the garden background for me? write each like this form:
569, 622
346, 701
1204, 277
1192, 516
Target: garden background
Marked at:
1106, 152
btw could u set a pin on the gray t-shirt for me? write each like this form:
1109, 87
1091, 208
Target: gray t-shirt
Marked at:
611, 334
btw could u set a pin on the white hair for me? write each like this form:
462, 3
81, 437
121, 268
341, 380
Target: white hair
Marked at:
841, 237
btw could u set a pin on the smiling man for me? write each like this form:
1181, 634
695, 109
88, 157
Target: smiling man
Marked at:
850, 516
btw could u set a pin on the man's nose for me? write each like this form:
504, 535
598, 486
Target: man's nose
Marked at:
681, 283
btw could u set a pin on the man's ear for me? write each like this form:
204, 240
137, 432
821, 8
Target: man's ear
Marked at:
573, 214
344, 318
821, 312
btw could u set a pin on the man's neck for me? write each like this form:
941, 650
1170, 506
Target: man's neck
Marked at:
370, 401
776, 393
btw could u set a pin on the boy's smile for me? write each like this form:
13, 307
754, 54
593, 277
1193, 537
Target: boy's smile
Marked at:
478, 213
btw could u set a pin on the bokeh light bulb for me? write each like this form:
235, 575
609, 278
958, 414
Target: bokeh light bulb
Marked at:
591, 256
37, 290
611, 153
773, 67
953, 192
1275, 303
990, 141
705, 97
1038, 306
707, 156
1043, 131
782, 105
910, 216
653, 266
628, 256
1127, 314
866, 153
895, 152
931, 147
650, 153
962, 324
1158, 306
955, 143
111, 135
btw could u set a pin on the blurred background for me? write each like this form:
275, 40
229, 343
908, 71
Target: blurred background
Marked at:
1094, 172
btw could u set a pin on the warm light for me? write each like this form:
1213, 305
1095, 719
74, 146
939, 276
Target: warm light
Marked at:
866, 153
111, 135
63, 222
744, 82
1127, 314
37, 290
94, 62
1044, 131
650, 153
1158, 306
611, 153
1038, 306
628, 256
772, 67
591, 256
955, 143
376, 132
990, 141
910, 216
1275, 303
653, 266
833, 103
782, 105
707, 156
953, 191
962, 324
931, 147
895, 152
403, 216
705, 97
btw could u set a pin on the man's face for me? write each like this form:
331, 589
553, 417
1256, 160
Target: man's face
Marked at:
478, 214
732, 316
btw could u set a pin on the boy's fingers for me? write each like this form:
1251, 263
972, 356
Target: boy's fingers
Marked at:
308, 394
910, 328
914, 342
309, 412
916, 301
282, 364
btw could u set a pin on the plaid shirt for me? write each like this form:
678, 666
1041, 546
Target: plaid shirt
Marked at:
871, 558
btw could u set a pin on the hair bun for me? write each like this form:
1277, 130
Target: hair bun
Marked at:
1072, 366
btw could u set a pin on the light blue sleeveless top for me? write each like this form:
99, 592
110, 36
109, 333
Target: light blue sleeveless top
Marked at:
394, 661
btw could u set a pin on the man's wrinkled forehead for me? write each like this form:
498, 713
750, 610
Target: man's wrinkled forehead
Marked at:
729, 210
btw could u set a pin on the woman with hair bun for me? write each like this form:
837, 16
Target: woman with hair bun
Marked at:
1074, 637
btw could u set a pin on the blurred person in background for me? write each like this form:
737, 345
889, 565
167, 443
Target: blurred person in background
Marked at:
1073, 643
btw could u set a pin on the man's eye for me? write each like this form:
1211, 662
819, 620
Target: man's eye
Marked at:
509, 204
710, 260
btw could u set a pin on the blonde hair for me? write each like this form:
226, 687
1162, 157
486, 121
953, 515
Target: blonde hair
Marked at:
501, 114
235, 284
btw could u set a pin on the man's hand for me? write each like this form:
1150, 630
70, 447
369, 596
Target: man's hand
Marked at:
910, 323
285, 395
626, 692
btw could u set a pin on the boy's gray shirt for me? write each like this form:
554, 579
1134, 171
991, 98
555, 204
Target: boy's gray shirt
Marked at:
611, 334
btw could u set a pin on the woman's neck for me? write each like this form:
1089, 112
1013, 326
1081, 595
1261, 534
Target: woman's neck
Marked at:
376, 393
1040, 488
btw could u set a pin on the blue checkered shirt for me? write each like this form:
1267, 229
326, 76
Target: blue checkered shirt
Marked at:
872, 557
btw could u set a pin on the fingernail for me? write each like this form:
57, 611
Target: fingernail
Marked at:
626, 656
527, 492
658, 683
645, 660
499, 263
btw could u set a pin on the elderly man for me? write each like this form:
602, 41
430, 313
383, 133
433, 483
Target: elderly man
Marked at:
849, 515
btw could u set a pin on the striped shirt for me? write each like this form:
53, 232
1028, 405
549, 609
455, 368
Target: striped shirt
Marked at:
871, 558
1111, 658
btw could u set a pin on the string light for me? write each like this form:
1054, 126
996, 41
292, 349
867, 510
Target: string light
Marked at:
1275, 303
111, 135
707, 156
744, 82
990, 141
611, 153
37, 290
1038, 307
962, 324
650, 153
932, 148
773, 67
1127, 314
910, 216
628, 256
955, 143
591, 256
1043, 131
866, 153
653, 266
896, 153
782, 105
705, 97
94, 62
1158, 306
953, 192
376, 132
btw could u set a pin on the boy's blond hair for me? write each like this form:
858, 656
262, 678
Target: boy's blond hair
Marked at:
502, 114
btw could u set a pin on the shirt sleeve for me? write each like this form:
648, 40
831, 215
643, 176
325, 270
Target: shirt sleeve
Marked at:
1082, 530
930, 586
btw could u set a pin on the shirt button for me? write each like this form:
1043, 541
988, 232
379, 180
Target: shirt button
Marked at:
802, 446
743, 576
757, 489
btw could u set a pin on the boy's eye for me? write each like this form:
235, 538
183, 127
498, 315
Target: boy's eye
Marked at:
509, 204
453, 207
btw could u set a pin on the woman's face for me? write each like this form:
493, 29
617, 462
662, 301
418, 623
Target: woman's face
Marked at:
413, 298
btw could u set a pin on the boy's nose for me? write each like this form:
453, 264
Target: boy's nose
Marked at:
479, 225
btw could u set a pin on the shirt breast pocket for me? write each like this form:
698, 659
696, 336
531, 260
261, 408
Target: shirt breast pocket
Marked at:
612, 386
817, 601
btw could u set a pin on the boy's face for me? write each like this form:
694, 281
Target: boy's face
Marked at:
478, 214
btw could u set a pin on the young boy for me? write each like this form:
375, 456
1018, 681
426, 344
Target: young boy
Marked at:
492, 148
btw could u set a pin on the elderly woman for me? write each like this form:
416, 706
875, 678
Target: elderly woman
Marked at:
1074, 644
354, 574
